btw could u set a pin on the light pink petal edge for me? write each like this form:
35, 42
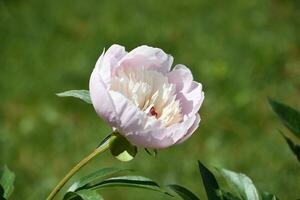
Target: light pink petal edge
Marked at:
148, 57
188, 92
108, 61
191, 130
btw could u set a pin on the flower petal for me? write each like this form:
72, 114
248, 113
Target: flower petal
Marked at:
191, 130
101, 99
148, 57
145, 139
180, 129
188, 91
108, 62
161, 137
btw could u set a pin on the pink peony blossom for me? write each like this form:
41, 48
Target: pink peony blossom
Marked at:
139, 95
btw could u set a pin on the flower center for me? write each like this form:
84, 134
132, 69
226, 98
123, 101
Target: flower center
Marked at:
152, 112
150, 91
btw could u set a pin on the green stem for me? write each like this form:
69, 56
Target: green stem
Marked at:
105, 146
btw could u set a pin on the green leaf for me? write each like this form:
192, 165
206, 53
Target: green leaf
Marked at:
108, 137
7, 179
183, 192
121, 148
242, 184
83, 195
129, 181
224, 195
96, 175
210, 182
293, 146
155, 152
80, 94
289, 116
1, 190
1, 193
148, 152
268, 196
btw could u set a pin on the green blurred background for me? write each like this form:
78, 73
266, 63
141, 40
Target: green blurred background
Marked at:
241, 51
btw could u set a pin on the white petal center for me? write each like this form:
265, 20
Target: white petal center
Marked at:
150, 91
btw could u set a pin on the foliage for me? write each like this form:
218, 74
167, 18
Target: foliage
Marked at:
183, 192
84, 95
85, 188
291, 119
7, 179
241, 187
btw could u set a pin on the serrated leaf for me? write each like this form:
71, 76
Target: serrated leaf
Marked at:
268, 196
83, 195
210, 183
288, 115
96, 175
242, 184
293, 146
128, 181
183, 192
80, 94
7, 179
122, 149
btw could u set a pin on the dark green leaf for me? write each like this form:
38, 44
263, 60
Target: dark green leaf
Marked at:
89, 179
80, 94
7, 179
155, 152
224, 195
122, 149
241, 184
148, 152
289, 116
128, 181
105, 140
268, 196
209, 181
293, 146
1, 193
183, 192
83, 195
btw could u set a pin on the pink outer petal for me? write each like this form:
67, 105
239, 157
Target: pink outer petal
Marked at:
99, 80
188, 91
108, 61
101, 99
148, 57
160, 137
191, 130
180, 129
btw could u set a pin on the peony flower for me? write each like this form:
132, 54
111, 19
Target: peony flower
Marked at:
139, 95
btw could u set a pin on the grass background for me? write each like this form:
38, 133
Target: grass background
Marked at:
241, 51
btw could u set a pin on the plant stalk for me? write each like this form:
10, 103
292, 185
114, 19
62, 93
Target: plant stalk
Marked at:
105, 146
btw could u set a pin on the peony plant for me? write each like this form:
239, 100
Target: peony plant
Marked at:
147, 104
